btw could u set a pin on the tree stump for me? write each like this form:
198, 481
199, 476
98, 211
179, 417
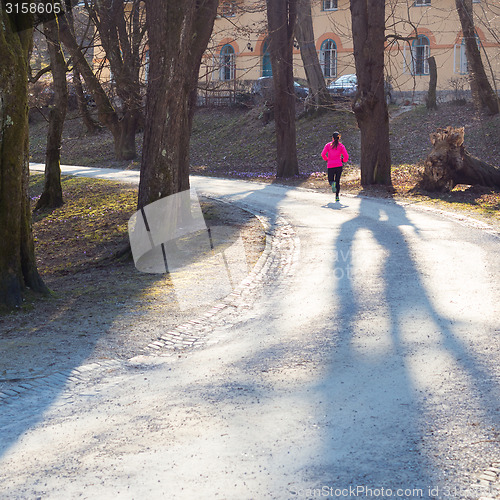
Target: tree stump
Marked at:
449, 164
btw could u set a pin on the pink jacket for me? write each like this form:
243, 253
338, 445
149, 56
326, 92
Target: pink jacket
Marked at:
332, 155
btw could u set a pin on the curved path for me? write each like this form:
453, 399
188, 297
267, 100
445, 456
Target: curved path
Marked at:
364, 363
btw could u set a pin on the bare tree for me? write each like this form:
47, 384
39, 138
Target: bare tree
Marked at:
178, 36
52, 195
369, 105
281, 18
482, 91
91, 125
18, 269
319, 94
121, 34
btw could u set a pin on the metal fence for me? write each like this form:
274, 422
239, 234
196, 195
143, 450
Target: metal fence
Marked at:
223, 93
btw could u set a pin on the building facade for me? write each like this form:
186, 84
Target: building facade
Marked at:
415, 31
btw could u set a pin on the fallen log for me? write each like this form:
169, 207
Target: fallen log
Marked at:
449, 164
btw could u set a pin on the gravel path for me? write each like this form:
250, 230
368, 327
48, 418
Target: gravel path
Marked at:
359, 360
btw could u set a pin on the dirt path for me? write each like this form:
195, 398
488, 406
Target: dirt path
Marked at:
362, 357
360, 360
111, 311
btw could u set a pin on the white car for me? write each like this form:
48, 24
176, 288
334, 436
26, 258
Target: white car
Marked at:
347, 85
344, 85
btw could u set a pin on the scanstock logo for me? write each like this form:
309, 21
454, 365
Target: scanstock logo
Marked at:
170, 236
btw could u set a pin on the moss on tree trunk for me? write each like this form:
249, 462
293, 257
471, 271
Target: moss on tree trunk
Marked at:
17, 257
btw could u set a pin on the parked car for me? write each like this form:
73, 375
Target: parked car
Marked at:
347, 85
300, 91
263, 87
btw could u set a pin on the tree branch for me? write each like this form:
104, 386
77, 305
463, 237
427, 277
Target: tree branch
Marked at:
34, 79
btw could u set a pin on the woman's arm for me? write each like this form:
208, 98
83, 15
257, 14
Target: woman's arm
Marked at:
345, 154
324, 154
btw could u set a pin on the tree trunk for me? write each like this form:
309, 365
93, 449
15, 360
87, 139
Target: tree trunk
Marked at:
52, 195
125, 146
106, 112
369, 105
450, 164
121, 36
17, 256
281, 18
319, 96
90, 124
178, 36
431, 94
482, 92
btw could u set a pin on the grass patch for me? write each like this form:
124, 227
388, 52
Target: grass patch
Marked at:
89, 228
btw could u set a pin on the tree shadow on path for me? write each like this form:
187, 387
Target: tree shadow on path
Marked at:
392, 346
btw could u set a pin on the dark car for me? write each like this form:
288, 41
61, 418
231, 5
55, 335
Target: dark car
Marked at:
263, 87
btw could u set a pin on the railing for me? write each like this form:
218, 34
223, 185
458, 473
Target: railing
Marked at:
222, 93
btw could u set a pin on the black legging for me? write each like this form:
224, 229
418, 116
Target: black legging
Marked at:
334, 176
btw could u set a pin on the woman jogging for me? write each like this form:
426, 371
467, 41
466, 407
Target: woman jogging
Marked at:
335, 154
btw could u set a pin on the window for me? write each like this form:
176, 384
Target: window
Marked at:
227, 66
267, 70
228, 9
420, 55
463, 59
461, 65
330, 4
328, 58
420, 3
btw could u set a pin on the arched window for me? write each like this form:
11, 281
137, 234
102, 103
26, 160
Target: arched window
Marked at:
420, 54
328, 58
267, 70
227, 64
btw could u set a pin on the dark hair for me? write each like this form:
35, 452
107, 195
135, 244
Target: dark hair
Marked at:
336, 137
